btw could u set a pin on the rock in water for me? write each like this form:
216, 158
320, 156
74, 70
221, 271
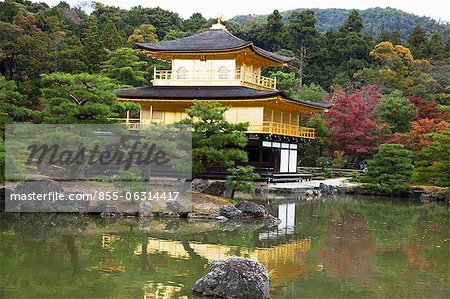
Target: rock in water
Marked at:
230, 212
236, 278
251, 209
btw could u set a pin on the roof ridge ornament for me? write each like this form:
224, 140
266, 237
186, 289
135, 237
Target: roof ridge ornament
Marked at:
219, 25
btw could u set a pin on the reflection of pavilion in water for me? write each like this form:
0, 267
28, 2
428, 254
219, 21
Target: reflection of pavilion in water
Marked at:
286, 213
283, 256
283, 262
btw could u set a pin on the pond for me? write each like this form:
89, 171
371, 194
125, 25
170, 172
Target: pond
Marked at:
332, 247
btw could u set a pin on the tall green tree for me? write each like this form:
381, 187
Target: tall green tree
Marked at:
66, 51
302, 29
79, 98
285, 81
215, 141
111, 37
351, 48
436, 47
272, 35
123, 65
9, 34
353, 23
417, 41
93, 51
397, 111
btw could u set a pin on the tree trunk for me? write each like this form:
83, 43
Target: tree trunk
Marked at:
301, 68
233, 191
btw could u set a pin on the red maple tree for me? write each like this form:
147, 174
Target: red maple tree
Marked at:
353, 122
417, 138
426, 109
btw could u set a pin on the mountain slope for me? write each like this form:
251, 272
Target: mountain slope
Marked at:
375, 20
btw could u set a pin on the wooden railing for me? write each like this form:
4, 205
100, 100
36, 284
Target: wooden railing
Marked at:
267, 127
283, 129
259, 80
218, 76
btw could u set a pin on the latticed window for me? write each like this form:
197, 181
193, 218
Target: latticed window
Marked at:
224, 73
182, 73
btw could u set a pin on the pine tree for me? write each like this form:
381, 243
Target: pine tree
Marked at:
14, 106
433, 166
436, 47
124, 67
391, 168
354, 23
417, 41
111, 37
273, 31
93, 51
241, 179
79, 98
215, 141
351, 49
302, 29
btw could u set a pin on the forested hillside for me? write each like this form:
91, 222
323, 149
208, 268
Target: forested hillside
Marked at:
375, 20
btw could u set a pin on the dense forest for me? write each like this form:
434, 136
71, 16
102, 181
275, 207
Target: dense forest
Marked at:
375, 20
59, 65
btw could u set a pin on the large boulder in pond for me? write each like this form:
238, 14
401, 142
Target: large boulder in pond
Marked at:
251, 209
230, 212
236, 278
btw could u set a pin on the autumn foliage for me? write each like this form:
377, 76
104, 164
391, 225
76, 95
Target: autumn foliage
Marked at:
353, 122
426, 109
418, 138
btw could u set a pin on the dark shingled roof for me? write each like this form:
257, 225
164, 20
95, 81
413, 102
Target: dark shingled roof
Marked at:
207, 93
213, 40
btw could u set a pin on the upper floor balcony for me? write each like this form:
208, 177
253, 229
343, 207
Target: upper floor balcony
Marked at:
219, 77
266, 127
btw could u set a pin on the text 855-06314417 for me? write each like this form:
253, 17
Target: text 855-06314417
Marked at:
139, 196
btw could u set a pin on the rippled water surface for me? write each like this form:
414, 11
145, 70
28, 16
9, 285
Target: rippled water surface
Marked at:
335, 247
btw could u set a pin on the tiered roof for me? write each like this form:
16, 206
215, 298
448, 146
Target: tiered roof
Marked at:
210, 41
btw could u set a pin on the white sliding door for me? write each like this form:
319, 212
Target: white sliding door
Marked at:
284, 160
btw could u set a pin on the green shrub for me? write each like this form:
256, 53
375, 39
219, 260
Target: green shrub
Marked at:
390, 169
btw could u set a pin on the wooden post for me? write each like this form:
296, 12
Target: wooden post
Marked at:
128, 117
151, 113
271, 123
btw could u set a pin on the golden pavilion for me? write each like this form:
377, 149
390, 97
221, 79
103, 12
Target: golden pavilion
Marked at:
217, 66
